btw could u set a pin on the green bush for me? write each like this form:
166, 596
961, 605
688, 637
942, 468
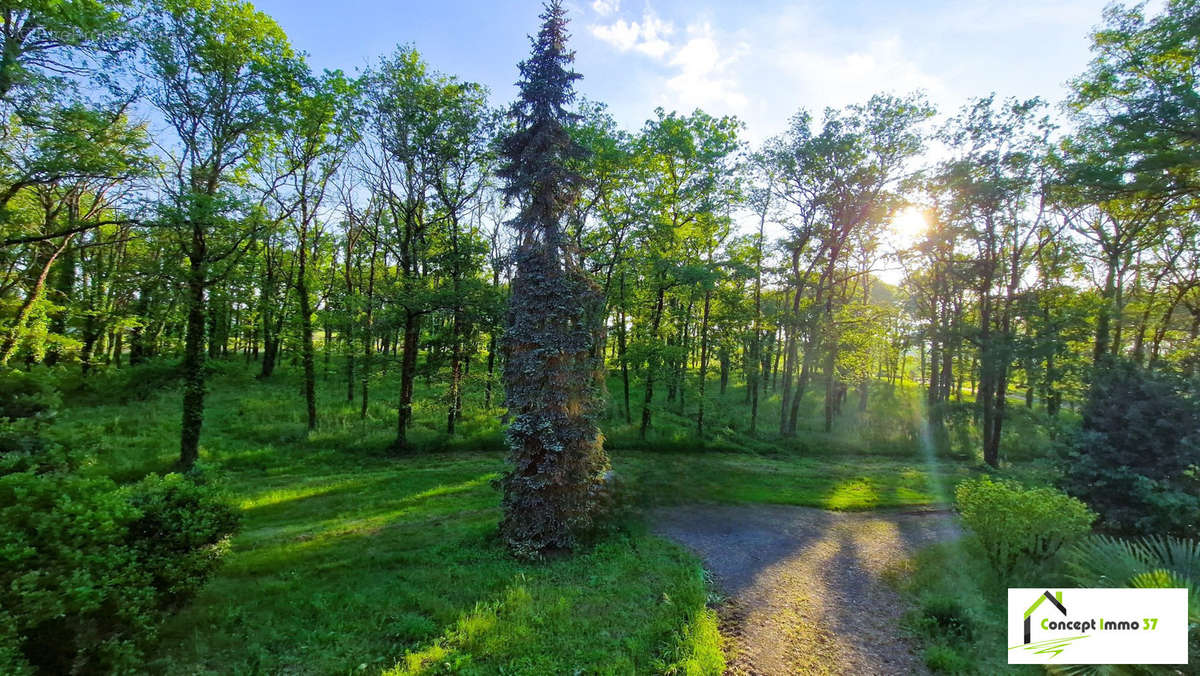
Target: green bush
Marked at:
944, 659
21, 436
1150, 562
180, 535
947, 617
89, 569
1136, 458
128, 384
1019, 525
26, 395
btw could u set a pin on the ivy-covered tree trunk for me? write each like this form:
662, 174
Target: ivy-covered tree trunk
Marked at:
621, 356
456, 371
789, 364
193, 356
553, 372
458, 332
307, 356
554, 382
273, 313
368, 332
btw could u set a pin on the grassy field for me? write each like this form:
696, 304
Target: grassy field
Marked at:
352, 561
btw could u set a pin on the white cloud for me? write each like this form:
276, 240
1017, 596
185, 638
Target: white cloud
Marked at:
838, 79
763, 65
606, 7
698, 64
765, 69
648, 36
795, 59
705, 74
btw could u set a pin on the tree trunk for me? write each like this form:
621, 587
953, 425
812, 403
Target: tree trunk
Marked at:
408, 373
193, 354
789, 364
456, 371
704, 364
368, 332
1106, 309
831, 389
622, 358
308, 358
64, 287
654, 363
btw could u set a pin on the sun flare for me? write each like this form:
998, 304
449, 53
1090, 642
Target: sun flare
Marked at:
909, 223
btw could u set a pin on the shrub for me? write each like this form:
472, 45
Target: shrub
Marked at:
1150, 562
1136, 458
1017, 524
180, 534
20, 436
89, 569
129, 384
26, 395
944, 659
947, 617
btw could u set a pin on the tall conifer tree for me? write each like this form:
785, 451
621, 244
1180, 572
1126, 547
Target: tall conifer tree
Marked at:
553, 371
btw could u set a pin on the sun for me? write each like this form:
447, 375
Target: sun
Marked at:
909, 223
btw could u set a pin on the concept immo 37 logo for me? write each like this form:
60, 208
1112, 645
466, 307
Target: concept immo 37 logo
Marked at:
1137, 626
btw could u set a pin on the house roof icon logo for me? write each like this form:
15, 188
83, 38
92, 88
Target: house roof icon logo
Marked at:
1056, 599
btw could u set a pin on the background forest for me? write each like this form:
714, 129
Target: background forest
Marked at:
239, 294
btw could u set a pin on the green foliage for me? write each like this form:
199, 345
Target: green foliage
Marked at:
1147, 562
127, 385
945, 659
1018, 525
180, 534
46, 40
70, 591
1136, 458
25, 394
948, 617
350, 556
958, 608
1134, 101
90, 569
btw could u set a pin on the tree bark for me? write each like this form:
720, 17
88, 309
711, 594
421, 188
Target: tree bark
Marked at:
307, 356
703, 364
654, 362
193, 353
408, 373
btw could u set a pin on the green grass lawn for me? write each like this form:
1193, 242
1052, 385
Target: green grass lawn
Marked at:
382, 565
351, 561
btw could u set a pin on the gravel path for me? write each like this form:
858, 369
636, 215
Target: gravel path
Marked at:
804, 585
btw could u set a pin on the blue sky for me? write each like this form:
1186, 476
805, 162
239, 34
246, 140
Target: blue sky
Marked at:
758, 59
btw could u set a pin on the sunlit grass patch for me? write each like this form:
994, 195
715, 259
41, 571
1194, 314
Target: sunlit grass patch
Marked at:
857, 493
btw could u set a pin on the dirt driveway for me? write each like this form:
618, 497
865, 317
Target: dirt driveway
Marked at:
805, 590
